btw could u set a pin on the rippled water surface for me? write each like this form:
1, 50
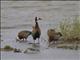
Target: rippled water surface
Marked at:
19, 15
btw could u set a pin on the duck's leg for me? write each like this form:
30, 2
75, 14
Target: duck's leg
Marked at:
38, 41
34, 41
33, 44
23, 39
49, 44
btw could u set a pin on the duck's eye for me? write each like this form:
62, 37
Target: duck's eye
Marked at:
40, 19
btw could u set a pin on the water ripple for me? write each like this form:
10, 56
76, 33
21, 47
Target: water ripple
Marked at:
17, 26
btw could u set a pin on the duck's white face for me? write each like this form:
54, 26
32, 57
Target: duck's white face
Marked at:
39, 18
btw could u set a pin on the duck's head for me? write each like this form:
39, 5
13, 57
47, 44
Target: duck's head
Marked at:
36, 18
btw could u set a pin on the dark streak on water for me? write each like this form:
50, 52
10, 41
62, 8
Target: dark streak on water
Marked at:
17, 26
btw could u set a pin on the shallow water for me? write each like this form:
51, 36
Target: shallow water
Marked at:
19, 15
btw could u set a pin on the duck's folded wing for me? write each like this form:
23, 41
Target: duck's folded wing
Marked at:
28, 32
24, 33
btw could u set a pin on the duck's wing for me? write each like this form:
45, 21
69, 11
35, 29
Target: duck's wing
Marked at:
28, 32
25, 33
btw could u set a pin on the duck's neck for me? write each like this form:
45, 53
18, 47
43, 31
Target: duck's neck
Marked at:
36, 24
35, 19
